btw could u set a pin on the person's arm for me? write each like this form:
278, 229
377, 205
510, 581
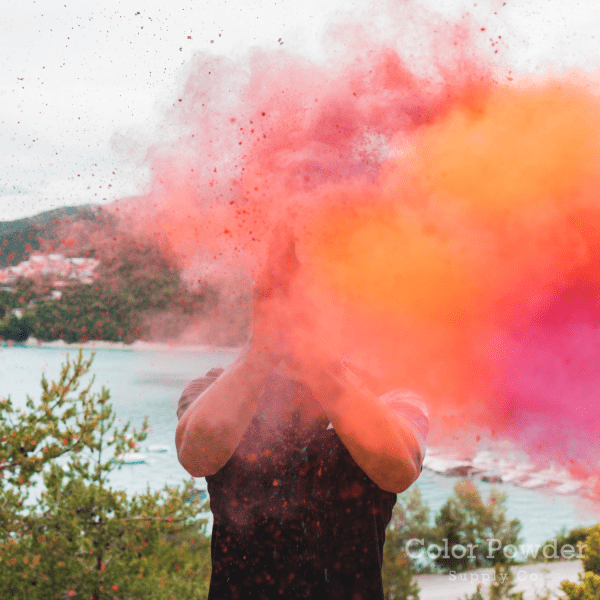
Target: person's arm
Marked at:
194, 388
211, 428
381, 440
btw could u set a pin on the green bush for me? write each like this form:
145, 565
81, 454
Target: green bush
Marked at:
398, 577
87, 312
15, 329
64, 532
588, 587
410, 519
574, 539
466, 520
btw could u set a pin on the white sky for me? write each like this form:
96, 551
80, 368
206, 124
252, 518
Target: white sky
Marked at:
83, 83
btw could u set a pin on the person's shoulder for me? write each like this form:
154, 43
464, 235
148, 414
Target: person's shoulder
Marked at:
410, 406
405, 398
195, 387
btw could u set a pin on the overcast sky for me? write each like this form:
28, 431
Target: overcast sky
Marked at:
83, 83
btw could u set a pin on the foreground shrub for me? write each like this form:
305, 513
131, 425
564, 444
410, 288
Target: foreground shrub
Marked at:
410, 519
466, 520
64, 532
588, 587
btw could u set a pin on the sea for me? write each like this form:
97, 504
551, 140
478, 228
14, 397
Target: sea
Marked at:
148, 383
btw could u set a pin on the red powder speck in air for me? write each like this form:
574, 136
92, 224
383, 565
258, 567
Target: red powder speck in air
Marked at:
442, 220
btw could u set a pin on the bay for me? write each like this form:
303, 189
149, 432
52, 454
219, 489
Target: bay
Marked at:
149, 383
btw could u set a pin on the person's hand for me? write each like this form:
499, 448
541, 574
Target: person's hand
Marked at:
287, 325
272, 297
281, 265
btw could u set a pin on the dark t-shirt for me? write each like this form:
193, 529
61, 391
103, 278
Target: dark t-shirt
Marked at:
294, 515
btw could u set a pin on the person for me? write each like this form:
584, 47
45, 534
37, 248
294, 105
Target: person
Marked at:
303, 459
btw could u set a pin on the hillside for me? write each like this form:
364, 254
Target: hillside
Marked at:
136, 290
18, 239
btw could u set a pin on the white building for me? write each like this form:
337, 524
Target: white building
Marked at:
53, 265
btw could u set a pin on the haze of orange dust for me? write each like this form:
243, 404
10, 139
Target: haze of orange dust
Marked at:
445, 223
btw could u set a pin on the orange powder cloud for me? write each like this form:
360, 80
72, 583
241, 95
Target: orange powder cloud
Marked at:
516, 146
478, 206
394, 265
474, 225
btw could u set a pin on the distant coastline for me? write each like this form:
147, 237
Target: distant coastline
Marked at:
138, 345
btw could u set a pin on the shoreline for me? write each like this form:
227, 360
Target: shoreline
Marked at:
530, 579
491, 465
138, 345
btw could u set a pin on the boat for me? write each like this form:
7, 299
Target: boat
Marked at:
513, 475
484, 461
159, 448
448, 466
133, 458
491, 476
533, 482
568, 487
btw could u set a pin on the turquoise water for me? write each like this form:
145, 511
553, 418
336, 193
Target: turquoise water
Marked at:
150, 382
140, 382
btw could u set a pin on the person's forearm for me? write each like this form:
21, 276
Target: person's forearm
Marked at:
212, 427
379, 441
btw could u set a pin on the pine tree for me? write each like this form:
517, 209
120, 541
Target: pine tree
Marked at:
64, 532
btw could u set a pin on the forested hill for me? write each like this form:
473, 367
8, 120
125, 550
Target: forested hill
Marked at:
18, 239
136, 291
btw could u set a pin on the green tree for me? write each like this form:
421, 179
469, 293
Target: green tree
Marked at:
410, 520
398, 577
17, 329
64, 532
573, 539
591, 551
87, 312
466, 520
588, 587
